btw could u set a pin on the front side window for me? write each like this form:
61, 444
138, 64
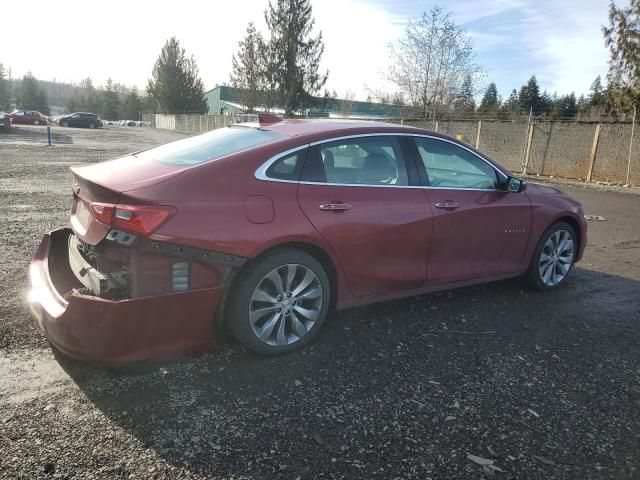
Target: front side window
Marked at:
450, 166
357, 161
209, 146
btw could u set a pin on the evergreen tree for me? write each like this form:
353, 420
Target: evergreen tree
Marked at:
511, 107
27, 98
465, 103
4, 89
175, 84
132, 105
596, 96
249, 68
529, 96
111, 102
490, 102
42, 103
294, 55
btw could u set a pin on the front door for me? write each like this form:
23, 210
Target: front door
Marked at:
357, 193
479, 229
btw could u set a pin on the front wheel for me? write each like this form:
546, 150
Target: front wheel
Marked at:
65, 124
554, 257
279, 304
92, 125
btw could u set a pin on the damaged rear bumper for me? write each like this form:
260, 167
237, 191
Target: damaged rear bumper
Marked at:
113, 332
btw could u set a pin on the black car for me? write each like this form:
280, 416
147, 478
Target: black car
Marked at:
80, 119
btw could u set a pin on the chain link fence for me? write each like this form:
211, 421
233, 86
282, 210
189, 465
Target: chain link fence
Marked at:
590, 151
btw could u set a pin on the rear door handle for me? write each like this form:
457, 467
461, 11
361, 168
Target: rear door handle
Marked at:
335, 206
448, 205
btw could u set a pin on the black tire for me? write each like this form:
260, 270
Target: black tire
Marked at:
64, 123
92, 125
533, 275
239, 303
36, 122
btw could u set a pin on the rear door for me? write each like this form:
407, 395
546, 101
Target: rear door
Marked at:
479, 229
363, 197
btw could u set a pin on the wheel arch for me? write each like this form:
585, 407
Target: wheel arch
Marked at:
317, 252
574, 223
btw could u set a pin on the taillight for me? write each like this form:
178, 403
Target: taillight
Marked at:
138, 219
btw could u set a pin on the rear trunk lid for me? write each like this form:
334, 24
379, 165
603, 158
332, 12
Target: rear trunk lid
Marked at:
105, 182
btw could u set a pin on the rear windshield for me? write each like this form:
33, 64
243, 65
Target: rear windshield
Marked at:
209, 146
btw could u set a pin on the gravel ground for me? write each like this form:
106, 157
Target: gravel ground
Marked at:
533, 385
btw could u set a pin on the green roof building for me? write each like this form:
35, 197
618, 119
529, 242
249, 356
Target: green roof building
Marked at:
229, 100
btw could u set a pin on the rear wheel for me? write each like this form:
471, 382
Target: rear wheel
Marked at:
36, 122
554, 257
279, 303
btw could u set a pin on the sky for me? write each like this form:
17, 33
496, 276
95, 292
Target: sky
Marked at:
560, 41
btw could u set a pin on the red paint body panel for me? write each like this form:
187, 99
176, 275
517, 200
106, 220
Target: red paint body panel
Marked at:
487, 235
391, 243
381, 241
114, 332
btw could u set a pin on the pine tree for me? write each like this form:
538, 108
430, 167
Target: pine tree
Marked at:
596, 96
249, 69
465, 103
4, 89
42, 102
511, 107
529, 96
111, 102
175, 84
294, 55
28, 93
132, 105
490, 102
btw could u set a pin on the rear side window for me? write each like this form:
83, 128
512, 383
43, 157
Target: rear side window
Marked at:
209, 146
287, 167
358, 161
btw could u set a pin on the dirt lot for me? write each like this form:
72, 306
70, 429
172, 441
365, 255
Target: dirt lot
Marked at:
544, 385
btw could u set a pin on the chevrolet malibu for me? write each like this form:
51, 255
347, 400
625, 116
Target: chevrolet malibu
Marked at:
264, 228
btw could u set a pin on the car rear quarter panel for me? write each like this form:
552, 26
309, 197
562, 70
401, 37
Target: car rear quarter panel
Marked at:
222, 207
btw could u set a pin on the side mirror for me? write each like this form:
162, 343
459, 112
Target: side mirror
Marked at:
515, 185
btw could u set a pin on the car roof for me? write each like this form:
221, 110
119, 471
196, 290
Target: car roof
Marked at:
304, 127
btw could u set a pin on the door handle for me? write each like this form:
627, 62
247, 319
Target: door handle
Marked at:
448, 205
335, 206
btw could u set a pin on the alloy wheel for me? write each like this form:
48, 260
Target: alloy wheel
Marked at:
556, 257
285, 305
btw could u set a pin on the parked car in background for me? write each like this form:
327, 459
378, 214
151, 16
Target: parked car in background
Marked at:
80, 119
267, 226
28, 117
5, 121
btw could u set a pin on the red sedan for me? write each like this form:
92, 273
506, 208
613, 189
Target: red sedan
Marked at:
28, 118
266, 227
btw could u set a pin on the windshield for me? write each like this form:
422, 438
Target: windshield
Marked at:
209, 146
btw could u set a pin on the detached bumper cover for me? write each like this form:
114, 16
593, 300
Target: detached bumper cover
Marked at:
111, 332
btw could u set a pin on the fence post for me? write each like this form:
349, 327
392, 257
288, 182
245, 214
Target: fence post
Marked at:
528, 148
594, 147
478, 133
436, 129
633, 127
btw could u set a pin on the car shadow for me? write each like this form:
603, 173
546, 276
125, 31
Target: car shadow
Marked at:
35, 134
378, 381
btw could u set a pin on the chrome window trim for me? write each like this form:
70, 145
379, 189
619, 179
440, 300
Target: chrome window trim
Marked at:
261, 172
